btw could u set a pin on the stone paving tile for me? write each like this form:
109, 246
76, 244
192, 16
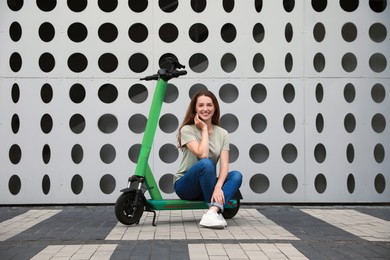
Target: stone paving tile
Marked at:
352, 221
257, 232
76, 252
244, 251
248, 224
20, 223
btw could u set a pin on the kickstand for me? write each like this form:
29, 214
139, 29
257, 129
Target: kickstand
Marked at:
154, 223
154, 218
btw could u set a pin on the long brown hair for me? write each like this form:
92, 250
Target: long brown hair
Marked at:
190, 114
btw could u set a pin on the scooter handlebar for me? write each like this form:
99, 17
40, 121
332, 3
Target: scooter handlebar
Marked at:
165, 75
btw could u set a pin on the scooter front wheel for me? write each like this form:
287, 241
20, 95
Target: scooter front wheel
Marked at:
229, 213
124, 210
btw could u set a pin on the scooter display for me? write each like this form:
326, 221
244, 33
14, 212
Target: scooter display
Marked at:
131, 204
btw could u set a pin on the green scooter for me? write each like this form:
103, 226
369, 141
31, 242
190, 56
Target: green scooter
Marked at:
131, 204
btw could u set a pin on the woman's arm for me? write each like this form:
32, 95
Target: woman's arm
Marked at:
200, 149
218, 195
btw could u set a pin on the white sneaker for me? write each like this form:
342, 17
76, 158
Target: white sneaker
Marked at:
220, 216
211, 219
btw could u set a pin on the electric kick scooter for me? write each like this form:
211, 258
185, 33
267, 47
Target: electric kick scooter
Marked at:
132, 203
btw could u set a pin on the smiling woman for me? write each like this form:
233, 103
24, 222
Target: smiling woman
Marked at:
204, 143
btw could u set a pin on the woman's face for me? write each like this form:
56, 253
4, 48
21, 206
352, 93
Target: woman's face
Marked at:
205, 108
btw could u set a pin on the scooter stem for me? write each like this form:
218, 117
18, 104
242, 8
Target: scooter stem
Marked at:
154, 114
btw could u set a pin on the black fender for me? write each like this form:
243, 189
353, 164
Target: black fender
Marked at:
129, 190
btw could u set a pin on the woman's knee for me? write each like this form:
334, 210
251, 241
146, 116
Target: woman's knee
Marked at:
236, 176
207, 165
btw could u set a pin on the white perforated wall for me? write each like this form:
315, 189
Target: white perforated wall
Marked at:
303, 88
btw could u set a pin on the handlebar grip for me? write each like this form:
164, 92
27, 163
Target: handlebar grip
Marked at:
152, 77
179, 73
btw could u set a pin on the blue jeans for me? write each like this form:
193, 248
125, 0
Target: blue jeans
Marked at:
199, 181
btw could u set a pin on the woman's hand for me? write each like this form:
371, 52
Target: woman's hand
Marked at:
218, 196
199, 123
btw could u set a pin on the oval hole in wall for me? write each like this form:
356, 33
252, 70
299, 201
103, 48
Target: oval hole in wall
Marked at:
46, 184
379, 153
320, 183
289, 123
168, 153
77, 153
229, 122
168, 123
258, 62
259, 153
108, 93
320, 153
134, 152
259, 93
77, 123
15, 31
319, 123
258, 32
15, 123
166, 183
15, 93
138, 93
108, 123
289, 153
259, 183
319, 93
77, 93
168, 32
14, 184
46, 154
77, 184
349, 32
233, 153
319, 32
319, 5
107, 184
137, 123
46, 123
377, 32
46, 93
349, 123
288, 32
319, 62
259, 123
351, 183
349, 92
380, 183
378, 123
15, 154
378, 93
289, 183
288, 62
350, 153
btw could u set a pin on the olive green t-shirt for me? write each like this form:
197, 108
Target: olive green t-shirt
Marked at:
218, 142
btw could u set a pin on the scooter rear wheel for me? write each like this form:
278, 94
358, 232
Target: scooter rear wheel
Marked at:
229, 213
124, 211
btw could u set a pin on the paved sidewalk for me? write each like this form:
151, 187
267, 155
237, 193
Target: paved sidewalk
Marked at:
257, 232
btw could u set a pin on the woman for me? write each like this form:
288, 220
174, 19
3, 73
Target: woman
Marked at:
204, 143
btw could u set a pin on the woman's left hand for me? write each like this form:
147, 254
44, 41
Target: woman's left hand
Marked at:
218, 196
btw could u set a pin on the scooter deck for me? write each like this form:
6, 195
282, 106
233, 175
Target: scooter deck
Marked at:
176, 204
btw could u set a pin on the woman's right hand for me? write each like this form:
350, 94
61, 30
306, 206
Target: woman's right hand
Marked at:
199, 123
